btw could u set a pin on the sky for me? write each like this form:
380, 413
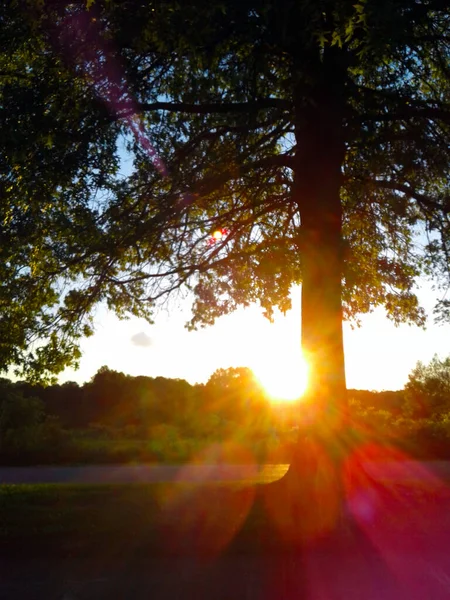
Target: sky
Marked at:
378, 354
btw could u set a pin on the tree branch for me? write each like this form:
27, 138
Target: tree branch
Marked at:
217, 107
276, 160
429, 113
401, 107
216, 133
423, 199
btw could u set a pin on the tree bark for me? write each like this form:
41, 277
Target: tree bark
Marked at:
311, 495
317, 184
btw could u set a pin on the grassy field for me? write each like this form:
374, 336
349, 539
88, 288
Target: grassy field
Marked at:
156, 517
63, 509
75, 519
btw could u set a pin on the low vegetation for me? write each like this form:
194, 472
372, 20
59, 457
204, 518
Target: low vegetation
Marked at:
121, 419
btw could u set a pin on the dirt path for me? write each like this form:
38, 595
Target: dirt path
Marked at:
387, 471
142, 473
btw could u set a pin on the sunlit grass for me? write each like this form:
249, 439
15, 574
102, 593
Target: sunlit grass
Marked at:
210, 516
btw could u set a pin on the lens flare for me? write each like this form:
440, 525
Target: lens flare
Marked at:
84, 41
285, 379
305, 506
202, 518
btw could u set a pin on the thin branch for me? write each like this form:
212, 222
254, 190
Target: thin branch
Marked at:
276, 160
429, 113
423, 199
216, 107
217, 133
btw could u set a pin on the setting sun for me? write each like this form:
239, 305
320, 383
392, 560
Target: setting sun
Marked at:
285, 379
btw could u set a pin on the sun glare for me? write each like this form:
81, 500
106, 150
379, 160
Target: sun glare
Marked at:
285, 380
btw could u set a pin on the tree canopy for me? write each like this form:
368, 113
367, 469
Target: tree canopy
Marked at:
427, 392
315, 135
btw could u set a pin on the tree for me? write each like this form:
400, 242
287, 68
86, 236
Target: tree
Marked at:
20, 419
236, 395
17, 411
314, 135
109, 397
58, 160
427, 393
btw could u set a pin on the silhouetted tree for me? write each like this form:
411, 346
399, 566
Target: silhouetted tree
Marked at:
427, 393
235, 395
109, 399
17, 411
391, 401
69, 403
312, 135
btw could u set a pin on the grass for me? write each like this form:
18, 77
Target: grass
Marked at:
114, 519
47, 509
79, 449
32, 513
69, 518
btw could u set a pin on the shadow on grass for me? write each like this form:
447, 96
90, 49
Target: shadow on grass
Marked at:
198, 542
232, 541
308, 535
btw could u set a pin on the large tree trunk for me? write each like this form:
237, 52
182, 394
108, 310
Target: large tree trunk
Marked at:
322, 266
312, 490
318, 179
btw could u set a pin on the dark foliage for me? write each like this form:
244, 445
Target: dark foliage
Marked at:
118, 418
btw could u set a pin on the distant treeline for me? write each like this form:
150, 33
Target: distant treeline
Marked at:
117, 400
116, 417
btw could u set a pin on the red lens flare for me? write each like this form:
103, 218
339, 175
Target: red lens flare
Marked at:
217, 236
204, 517
305, 506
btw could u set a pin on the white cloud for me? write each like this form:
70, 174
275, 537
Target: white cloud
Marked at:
141, 339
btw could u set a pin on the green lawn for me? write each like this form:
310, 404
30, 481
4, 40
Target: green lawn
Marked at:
71, 519
45, 509
79, 517
38, 512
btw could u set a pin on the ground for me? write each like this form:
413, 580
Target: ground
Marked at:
393, 545
360, 572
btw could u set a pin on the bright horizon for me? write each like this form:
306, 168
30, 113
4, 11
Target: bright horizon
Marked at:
378, 354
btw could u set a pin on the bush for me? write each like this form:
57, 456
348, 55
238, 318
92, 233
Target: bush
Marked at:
425, 438
45, 442
17, 412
